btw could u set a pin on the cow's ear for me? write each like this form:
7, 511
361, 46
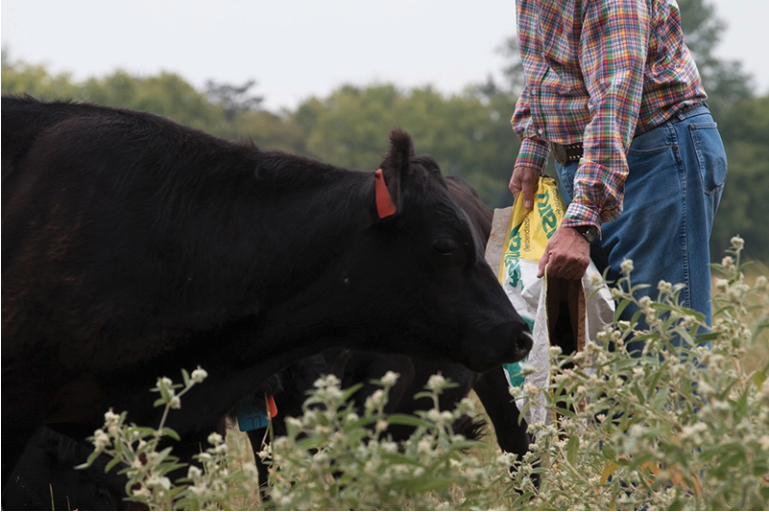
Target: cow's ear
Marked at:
397, 163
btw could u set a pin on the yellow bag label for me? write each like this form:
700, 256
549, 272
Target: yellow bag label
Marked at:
530, 230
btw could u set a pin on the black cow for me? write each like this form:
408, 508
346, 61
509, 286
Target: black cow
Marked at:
133, 246
491, 387
358, 367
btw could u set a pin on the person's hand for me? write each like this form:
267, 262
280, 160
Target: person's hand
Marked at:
567, 255
524, 179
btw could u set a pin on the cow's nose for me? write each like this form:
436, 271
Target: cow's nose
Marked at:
523, 343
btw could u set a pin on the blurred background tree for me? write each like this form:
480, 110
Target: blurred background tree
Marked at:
469, 133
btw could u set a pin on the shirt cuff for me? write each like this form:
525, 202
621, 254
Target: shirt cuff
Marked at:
598, 195
580, 214
533, 153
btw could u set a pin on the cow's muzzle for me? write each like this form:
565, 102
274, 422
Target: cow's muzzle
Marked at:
505, 343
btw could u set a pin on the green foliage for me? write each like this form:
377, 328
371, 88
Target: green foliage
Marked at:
469, 136
744, 207
23, 78
233, 98
725, 81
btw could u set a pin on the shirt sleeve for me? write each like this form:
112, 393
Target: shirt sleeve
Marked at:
534, 151
613, 48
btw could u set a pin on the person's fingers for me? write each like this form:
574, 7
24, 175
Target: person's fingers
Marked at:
524, 179
529, 185
514, 186
542, 264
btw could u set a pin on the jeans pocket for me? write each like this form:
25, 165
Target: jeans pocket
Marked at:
656, 140
711, 156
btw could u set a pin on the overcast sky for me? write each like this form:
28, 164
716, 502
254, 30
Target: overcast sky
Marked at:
300, 48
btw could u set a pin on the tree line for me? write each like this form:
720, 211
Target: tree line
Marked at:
468, 133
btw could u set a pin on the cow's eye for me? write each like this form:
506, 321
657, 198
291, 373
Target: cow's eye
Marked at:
444, 246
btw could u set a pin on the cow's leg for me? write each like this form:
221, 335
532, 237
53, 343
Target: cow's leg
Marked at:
492, 390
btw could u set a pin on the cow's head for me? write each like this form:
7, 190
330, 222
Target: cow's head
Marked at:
428, 289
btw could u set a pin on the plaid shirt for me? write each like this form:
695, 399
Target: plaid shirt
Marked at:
599, 72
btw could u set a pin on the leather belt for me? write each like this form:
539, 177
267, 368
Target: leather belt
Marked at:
566, 154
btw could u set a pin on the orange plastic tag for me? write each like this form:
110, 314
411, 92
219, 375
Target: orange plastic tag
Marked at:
384, 202
272, 409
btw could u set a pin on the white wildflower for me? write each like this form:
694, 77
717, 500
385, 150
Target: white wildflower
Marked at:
626, 266
466, 406
110, 418
390, 447
390, 378
141, 492
158, 481
376, 399
293, 423
194, 472
436, 382
198, 375
320, 458
721, 285
530, 389
100, 440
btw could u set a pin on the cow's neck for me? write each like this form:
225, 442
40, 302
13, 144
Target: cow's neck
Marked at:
289, 229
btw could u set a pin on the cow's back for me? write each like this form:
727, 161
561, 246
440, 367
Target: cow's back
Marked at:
24, 120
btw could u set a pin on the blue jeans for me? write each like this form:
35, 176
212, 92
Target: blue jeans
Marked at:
675, 180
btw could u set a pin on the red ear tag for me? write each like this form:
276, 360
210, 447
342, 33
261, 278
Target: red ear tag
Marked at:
384, 202
272, 409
